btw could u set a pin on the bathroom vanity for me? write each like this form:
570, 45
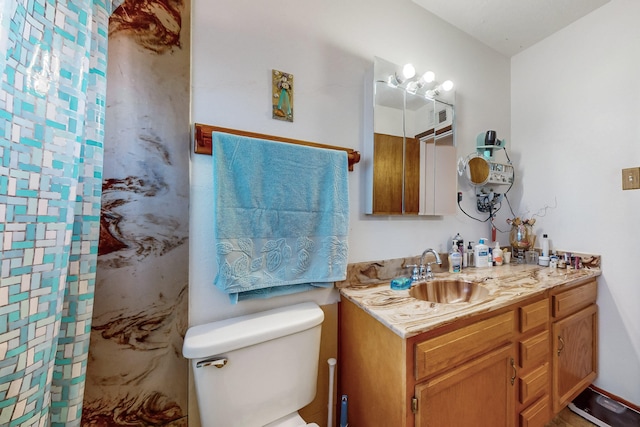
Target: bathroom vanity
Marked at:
515, 358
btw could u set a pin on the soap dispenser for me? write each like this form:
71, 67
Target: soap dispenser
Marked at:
455, 261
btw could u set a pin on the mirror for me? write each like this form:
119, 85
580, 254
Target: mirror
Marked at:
478, 170
409, 153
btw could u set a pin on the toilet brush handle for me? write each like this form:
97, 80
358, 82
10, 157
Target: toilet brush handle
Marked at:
344, 417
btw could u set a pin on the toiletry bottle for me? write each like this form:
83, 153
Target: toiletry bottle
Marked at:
545, 245
454, 248
455, 261
497, 254
470, 260
460, 242
481, 254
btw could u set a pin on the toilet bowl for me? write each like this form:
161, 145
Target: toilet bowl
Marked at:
257, 369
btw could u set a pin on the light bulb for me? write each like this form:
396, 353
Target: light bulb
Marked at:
447, 85
408, 71
428, 77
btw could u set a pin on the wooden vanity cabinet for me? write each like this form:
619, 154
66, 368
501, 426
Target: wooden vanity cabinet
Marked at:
466, 376
372, 370
478, 392
516, 367
451, 376
575, 335
533, 407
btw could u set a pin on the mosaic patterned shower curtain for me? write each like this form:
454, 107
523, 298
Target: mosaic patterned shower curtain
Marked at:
52, 100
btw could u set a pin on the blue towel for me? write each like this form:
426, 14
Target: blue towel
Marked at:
281, 216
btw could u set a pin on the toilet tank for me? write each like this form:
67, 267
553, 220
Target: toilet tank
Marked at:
254, 369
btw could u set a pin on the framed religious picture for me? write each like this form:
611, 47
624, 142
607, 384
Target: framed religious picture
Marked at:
282, 95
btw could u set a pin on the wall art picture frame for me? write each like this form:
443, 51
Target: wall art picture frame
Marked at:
282, 95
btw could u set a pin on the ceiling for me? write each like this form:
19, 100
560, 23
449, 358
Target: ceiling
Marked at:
510, 26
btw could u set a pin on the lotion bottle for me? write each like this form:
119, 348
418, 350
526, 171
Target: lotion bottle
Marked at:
497, 254
545, 245
481, 254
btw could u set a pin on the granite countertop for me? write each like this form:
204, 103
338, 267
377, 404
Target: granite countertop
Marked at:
507, 284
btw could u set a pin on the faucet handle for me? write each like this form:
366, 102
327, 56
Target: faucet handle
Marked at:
414, 271
428, 273
423, 271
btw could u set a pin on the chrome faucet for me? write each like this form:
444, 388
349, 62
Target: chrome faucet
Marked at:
425, 270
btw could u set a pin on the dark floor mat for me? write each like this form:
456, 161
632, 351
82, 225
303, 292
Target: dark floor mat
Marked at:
603, 411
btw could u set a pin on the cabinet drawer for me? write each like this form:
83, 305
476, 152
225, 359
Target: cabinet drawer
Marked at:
534, 384
448, 350
536, 415
534, 350
534, 315
570, 301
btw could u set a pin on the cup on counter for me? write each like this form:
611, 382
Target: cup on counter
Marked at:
506, 257
531, 257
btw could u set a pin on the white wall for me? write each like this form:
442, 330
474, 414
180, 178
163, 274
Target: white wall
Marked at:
575, 125
328, 46
572, 115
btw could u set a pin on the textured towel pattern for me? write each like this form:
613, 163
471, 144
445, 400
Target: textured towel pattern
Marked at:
281, 216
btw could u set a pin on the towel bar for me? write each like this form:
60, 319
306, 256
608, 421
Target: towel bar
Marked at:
203, 141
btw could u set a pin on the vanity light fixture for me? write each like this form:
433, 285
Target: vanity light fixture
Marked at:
426, 78
445, 86
392, 80
408, 73
412, 84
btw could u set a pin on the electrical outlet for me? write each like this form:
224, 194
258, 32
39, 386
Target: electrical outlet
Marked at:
631, 179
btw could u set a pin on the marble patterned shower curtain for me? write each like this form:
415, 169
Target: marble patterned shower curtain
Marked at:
53, 58
136, 375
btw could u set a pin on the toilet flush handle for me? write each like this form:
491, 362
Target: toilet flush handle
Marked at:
216, 361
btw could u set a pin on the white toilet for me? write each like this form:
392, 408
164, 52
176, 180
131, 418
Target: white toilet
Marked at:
256, 370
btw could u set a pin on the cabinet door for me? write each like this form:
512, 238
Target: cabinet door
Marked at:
574, 355
388, 175
477, 393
